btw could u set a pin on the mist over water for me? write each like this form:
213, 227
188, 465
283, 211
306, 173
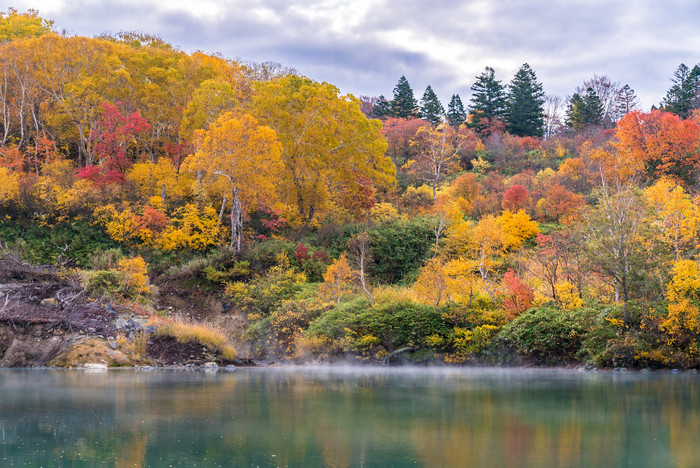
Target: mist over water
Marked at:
349, 416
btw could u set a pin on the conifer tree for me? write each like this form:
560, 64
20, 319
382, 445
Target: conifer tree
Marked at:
430, 108
584, 111
456, 115
382, 107
524, 114
684, 95
404, 104
625, 102
488, 99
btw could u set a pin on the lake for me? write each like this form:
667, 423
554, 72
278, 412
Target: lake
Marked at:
348, 417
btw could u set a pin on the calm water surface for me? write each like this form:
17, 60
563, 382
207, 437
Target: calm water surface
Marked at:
307, 417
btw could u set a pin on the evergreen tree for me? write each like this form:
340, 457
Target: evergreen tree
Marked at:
684, 95
585, 111
524, 114
404, 104
625, 102
488, 100
381, 107
430, 108
456, 115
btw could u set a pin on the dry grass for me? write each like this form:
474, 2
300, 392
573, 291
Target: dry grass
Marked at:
137, 347
184, 331
383, 294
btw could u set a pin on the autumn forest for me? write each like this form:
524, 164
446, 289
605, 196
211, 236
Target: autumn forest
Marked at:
512, 228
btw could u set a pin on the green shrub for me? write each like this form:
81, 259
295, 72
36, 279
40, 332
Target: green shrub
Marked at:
106, 259
548, 334
376, 329
399, 249
263, 255
102, 283
264, 293
76, 240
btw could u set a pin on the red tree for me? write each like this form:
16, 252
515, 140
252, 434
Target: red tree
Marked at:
515, 198
666, 144
114, 134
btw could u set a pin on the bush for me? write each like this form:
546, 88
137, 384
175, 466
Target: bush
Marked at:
263, 255
548, 334
399, 249
291, 319
264, 293
102, 283
106, 259
374, 330
76, 240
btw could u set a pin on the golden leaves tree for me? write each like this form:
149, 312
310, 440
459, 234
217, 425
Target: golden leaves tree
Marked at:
330, 149
438, 153
242, 154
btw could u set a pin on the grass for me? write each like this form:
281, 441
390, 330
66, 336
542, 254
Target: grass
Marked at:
206, 334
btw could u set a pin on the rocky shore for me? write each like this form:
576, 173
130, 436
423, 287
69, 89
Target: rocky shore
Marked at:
46, 319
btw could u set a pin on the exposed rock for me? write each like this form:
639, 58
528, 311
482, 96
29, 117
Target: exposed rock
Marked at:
94, 365
91, 350
210, 365
49, 302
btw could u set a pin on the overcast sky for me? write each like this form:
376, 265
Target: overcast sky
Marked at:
364, 46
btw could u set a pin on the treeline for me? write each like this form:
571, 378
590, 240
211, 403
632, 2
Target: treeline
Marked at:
458, 235
522, 108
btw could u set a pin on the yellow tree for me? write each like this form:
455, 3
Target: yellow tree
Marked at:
517, 227
432, 282
330, 149
674, 214
210, 99
244, 155
15, 25
438, 153
338, 279
490, 243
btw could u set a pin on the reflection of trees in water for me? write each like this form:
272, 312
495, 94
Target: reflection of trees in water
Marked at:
342, 420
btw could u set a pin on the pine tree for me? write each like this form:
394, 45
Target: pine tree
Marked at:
404, 104
382, 107
488, 100
574, 113
456, 115
430, 108
625, 102
524, 114
684, 95
585, 111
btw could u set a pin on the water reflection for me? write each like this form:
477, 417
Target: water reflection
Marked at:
346, 418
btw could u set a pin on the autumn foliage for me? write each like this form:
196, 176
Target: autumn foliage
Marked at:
335, 235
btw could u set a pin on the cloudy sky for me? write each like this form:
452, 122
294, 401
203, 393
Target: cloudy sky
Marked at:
364, 46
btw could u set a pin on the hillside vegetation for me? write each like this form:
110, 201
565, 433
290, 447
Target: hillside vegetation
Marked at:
332, 227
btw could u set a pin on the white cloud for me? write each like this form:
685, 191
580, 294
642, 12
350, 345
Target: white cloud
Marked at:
363, 46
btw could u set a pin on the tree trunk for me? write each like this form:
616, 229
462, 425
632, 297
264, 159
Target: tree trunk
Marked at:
236, 221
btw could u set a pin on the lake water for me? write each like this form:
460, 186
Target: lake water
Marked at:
350, 417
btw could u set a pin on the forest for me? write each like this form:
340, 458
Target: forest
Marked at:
518, 228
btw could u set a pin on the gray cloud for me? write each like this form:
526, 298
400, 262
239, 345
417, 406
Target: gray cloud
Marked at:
442, 42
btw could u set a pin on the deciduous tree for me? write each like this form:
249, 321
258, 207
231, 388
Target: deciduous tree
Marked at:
246, 156
329, 146
438, 153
